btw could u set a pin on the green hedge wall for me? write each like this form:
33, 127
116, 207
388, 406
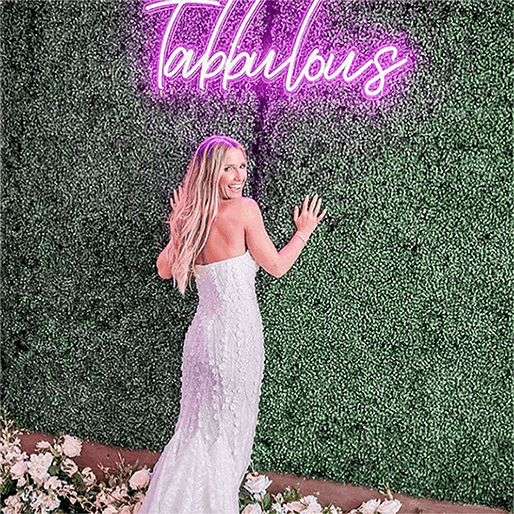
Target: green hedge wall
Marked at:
388, 349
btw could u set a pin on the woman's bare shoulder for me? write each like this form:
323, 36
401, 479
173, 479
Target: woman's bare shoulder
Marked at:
246, 201
247, 205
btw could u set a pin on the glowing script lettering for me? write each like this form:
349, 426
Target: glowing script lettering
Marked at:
220, 63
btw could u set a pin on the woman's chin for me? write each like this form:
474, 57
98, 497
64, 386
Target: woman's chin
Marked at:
231, 195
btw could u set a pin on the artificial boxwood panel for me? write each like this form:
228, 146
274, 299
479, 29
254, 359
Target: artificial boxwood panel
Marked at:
387, 343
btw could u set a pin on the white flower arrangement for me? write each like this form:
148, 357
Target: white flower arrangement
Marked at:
375, 507
50, 482
254, 499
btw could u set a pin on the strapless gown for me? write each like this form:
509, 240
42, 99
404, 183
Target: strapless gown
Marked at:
202, 467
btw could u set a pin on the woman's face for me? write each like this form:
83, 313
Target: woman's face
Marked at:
233, 173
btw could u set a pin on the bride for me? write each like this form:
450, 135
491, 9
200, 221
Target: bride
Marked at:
218, 237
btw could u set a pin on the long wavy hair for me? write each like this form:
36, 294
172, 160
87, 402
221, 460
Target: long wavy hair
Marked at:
191, 220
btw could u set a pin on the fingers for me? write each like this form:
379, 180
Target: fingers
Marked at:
315, 205
176, 196
322, 215
318, 206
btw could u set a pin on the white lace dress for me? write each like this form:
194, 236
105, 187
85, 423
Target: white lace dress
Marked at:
201, 469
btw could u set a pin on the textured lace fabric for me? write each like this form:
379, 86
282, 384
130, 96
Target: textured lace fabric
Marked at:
201, 469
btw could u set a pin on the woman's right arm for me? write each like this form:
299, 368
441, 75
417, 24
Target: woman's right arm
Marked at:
163, 268
262, 248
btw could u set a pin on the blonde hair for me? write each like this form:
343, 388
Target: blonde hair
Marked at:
191, 220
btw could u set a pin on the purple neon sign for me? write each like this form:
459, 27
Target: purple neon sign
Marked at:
214, 64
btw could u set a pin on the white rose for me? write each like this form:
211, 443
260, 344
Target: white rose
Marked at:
42, 460
37, 501
279, 509
15, 503
137, 507
140, 496
312, 502
69, 467
313, 508
253, 508
295, 507
89, 477
43, 445
19, 469
389, 507
257, 484
52, 483
126, 510
369, 507
21, 456
100, 498
10, 458
50, 502
110, 510
38, 467
71, 446
118, 493
140, 479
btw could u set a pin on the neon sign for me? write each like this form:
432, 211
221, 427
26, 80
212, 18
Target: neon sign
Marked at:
220, 63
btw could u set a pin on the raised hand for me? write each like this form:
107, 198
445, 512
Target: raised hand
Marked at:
176, 196
308, 220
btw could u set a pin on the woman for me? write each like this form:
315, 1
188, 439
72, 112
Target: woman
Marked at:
218, 236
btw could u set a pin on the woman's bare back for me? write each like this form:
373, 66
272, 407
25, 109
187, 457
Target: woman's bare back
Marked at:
227, 237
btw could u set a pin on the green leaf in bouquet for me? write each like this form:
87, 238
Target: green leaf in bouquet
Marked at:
78, 482
66, 506
244, 494
292, 495
61, 475
8, 488
244, 499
